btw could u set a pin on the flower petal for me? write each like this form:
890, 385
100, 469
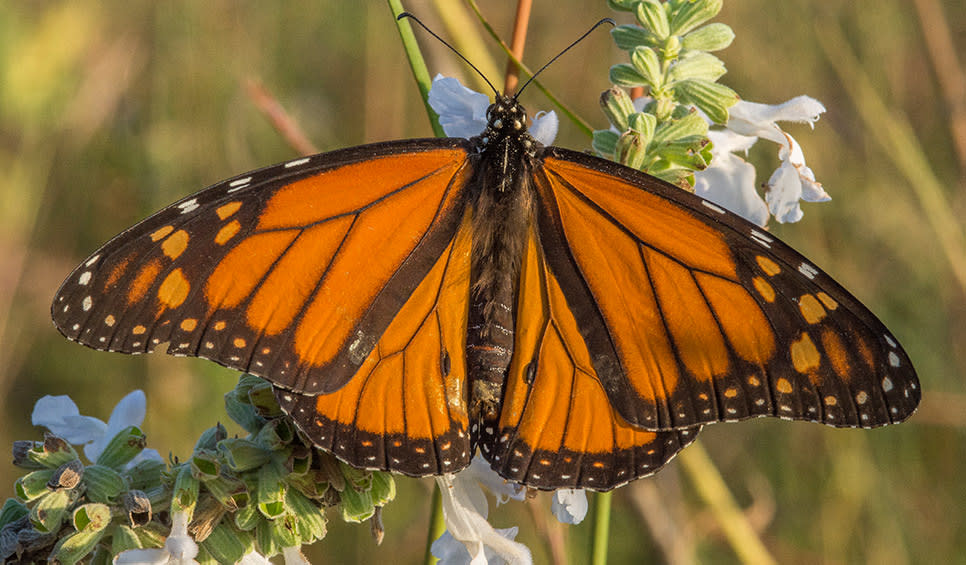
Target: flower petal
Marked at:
293, 556
569, 505
59, 414
466, 522
179, 544
462, 112
752, 118
142, 556
730, 181
544, 127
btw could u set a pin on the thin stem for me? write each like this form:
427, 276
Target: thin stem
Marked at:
598, 548
416, 63
436, 525
280, 119
517, 42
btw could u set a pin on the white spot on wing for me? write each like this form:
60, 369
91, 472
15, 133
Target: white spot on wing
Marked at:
713, 206
893, 359
296, 163
92, 260
87, 303
84, 278
188, 206
892, 343
807, 270
240, 182
761, 238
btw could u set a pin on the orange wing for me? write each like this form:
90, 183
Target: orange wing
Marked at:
693, 315
405, 409
288, 273
557, 427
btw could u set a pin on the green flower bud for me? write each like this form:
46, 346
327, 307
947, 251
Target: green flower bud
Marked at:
33, 484
696, 65
310, 518
76, 546
647, 64
226, 544
184, 495
104, 484
626, 75
690, 15
123, 538
617, 106
712, 37
712, 98
123, 447
631, 150
50, 511
383, 488
628, 37
653, 16
91, 517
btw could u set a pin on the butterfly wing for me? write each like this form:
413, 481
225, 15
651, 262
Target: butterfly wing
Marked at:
292, 272
405, 408
693, 315
557, 427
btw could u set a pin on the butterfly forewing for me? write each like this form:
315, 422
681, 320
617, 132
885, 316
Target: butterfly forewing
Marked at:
693, 315
287, 272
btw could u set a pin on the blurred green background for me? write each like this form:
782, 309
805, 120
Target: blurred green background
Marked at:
110, 110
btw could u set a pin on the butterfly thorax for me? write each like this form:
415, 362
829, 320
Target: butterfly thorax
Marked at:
502, 211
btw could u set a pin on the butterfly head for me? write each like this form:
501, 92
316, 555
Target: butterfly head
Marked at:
505, 143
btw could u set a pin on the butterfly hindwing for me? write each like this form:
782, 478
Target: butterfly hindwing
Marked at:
288, 272
405, 408
693, 315
557, 427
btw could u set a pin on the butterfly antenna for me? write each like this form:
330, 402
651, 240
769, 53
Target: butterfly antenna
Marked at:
451, 48
569, 47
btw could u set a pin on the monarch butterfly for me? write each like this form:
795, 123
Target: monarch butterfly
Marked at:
576, 320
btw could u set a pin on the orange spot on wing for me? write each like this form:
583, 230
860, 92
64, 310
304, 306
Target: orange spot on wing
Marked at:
811, 309
175, 244
226, 210
804, 354
174, 289
764, 289
227, 232
784, 386
158, 234
836, 352
768, 266
117, 272
189, 324
143, 281
827, 300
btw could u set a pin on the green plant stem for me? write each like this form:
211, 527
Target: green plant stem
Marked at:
713, 490
598, 548
436, 525
416, 63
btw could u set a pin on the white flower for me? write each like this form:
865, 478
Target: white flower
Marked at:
462, 112
569, 505
729, 181
179, 548
60, 415
469, 538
